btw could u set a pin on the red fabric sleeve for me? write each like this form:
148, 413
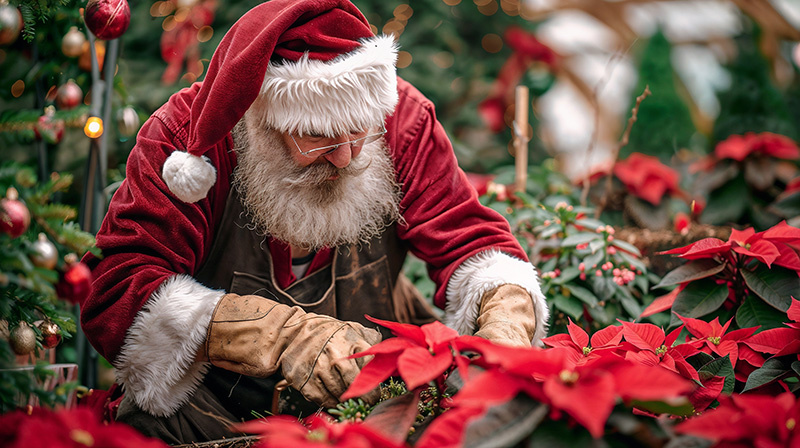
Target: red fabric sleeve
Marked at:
445, 222
148, 234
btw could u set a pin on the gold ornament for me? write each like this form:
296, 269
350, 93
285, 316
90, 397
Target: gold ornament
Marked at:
72, 43
22, 339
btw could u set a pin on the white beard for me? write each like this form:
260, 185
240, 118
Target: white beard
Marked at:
300, 205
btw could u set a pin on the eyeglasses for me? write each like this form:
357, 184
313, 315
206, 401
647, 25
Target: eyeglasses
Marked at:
367, 139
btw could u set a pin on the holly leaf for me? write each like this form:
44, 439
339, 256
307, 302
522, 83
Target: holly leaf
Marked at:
754, 312
775, 285
698, 299
690, 271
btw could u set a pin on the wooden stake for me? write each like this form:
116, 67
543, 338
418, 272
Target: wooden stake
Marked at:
521, 138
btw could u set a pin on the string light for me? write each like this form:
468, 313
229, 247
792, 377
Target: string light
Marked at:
93, 127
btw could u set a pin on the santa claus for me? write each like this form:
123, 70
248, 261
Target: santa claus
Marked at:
269, 208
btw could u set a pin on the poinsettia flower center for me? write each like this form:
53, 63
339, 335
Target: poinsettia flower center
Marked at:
81, 437
586, 350
568, 376
661, 350
317, 435
714, 340
790, 424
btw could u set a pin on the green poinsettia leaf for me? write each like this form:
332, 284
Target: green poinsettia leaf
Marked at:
796, 367
569, 305
788, 206
776, 286
699, 298
719, 367
680, 407
772, 370
692, 270
727, 203
583, 294
754, 312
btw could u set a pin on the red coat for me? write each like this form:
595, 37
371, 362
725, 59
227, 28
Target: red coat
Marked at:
149, 235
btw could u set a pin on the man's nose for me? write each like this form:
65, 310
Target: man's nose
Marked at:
341, 155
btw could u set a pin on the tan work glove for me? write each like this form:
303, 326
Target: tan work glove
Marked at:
506, 316
255, 336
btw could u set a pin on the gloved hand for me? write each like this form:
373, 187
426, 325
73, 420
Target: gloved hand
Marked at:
255, 336
506, 316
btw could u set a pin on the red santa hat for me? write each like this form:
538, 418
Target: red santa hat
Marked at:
318, 67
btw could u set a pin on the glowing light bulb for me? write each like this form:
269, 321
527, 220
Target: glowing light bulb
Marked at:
93, 127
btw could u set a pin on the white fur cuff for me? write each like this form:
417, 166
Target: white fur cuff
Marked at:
484, 272
157, 364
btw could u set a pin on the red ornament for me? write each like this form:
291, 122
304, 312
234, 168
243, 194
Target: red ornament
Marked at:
48, 128
14, 216
51, 334
68, 95
107, 19
75, 281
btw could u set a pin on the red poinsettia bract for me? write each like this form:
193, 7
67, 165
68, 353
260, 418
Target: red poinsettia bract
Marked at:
749, 420
739, 147
776, 245
72, 428
652, 347
646, 177
587, 392
577, 339
313, 432
418, 354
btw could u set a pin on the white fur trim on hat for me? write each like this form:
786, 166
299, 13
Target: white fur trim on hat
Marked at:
352, 92
189, 177
157, 365
484, 272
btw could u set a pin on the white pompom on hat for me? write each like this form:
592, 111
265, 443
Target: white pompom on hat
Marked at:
316, 65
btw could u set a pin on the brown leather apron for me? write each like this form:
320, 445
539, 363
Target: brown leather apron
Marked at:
361, 279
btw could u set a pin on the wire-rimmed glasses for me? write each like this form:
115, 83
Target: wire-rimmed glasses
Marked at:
367, 139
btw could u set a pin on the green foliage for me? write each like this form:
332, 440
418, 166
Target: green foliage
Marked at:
752, 103
664, 123
27, 290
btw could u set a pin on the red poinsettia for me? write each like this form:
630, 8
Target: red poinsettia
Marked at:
738, 147
587, 392
313, 432
712, 338
418, 354
646, 177
78, 427
774, 245
652, 347
606, 339
749, 420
